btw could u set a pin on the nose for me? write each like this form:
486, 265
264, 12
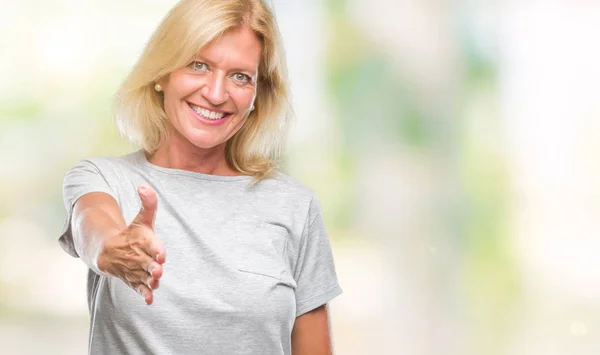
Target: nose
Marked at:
215, 90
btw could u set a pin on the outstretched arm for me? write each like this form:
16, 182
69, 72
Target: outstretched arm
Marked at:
111, 248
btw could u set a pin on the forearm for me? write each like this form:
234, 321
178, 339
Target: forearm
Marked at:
90, 228
311, 335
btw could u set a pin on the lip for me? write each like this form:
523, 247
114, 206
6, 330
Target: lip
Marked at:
209, 109
209, 122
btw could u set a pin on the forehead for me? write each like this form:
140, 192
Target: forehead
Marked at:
238, 47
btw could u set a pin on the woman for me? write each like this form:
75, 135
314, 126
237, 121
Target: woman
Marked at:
240, 251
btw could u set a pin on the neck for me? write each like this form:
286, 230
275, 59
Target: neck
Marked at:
179, 153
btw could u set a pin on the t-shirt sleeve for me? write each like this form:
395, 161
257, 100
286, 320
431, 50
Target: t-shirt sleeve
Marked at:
83, 178
315, 274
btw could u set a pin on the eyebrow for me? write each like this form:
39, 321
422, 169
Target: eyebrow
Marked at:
236, 69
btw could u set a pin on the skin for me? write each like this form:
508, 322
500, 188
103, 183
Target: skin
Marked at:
222, 78
311, 333
105, 243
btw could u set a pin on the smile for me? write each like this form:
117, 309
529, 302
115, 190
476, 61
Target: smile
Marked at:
207, 114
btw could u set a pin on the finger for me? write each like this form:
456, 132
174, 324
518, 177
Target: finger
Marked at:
146, 293
151, 248
154, 284
155, 270
148, 209
156, 250
135, 277
161, 256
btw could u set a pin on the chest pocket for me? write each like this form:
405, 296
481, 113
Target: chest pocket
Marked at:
261, 250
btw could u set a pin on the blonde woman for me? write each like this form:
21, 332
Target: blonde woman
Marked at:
239, 250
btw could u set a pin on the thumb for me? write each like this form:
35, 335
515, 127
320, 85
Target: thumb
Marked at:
148, 210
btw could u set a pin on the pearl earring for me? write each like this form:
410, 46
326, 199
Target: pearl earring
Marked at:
251, 108
158, 87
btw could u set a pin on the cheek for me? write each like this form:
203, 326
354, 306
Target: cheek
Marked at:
179, 87
171, 108
243, 98
175, 99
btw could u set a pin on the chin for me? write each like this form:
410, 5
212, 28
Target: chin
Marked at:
205, 145
199, 137
204, 142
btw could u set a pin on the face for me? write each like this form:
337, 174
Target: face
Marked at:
208, 100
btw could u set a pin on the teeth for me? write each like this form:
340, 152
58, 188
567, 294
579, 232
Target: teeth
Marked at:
210, 115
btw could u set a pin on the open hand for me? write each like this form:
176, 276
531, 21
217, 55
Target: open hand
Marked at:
135, 255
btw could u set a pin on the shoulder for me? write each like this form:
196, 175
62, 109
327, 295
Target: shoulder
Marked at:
285, 194
106, 164
285, 185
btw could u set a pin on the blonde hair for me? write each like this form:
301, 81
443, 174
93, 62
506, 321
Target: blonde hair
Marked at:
189, 26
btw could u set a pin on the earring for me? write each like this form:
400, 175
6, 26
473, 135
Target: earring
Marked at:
252, 108
158, 87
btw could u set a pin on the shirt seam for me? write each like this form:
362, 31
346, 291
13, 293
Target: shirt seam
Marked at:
304, 234
218, 178
304, 300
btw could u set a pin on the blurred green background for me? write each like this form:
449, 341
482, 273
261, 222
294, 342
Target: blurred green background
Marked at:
453, 145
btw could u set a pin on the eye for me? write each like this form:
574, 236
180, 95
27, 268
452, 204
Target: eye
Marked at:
198, 66
241, 78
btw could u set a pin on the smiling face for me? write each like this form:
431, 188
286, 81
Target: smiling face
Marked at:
207, 101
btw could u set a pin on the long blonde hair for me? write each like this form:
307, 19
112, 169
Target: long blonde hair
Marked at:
189, 26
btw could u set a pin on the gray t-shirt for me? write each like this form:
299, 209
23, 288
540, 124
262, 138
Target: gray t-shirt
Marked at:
242, 262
